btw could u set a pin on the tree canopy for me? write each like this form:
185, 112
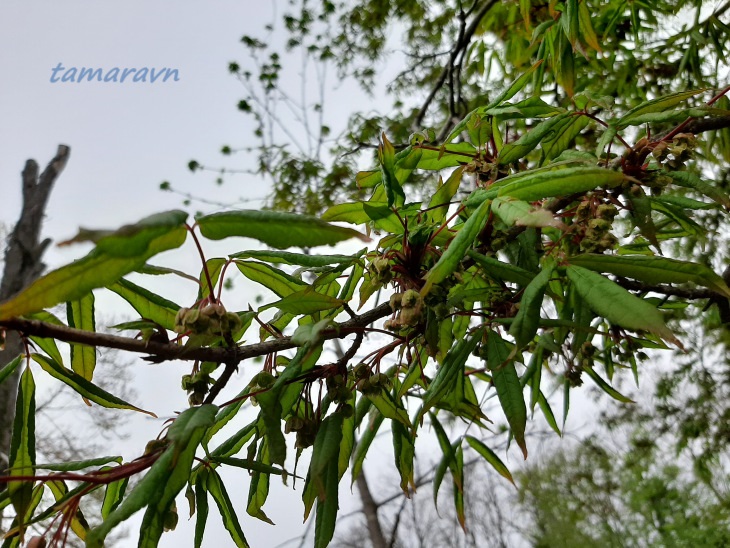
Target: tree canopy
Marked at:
548, 211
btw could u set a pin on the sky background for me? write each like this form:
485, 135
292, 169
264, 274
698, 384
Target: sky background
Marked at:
125, 139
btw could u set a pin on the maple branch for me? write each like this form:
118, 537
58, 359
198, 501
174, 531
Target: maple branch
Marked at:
160, 351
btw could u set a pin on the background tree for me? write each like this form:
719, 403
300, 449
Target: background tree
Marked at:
540, 260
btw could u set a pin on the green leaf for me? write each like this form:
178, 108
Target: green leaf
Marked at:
324, 476
448, 374
491, 457
564, 182
390, 407
659, 104
501, 271
272, 278
570, 22
653, 270
305, 301
48, 345
115, 255
113, 496
10, 368
404, 452
22, 448
275, 228
607, 388
548, 412
201, 506
73, 466
218, 491
258, 491
563, 135
449, 261
80, 314
167, 477
526, 322
509, 389
84, 387
439, 204
529, 140
301, 259
617, 305
518, 213
393, 189
147, 304
690, 180
366, 439
513, 89
214, 267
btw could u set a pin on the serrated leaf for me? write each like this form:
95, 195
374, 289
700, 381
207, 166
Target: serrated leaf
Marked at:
275, 228
653, 270
305, 301
617, 305
22, 448
84, 387
607, 388
690, 180
147, 304
527, 320
564, 182
491, 457
80, 314
449, 261
659, 104
278, 281
509, 389
300, 259
115, 255
217, 490
165, 479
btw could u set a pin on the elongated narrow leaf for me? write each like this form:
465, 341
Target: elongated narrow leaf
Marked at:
201, 506
548, 413
272, 278
10, 368
690, 180
449, 261
74, 466
529, 140
22, 448
326, 451
83, 387
564, 182
491, 457
509, 389
300, 259
607, 388
214, 268
218, 491
167, 477
500, 271
390, 407
115, 255
659, 104
305, 301
653, 270
80, 314
439, 204
514, 212
449, 372
326, 519
147, 304
78, 523
448, 461
617, 305
113, 496
393, 188
363, 445
275, 228
527, 320
404, 452
258, 490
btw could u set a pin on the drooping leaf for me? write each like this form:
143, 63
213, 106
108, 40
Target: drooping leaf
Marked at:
617, 305
80, 314
167, 477
656, 105
390, 407
653, 270
509, 389
301, 259
607, 388
366, 440
526, 322
564, 182
404, 452
491, 457
275, 228
305, 301
502, 271
217, 490
449, 261
22, 448
83, 387
201, 506
10, 368
258, 490
115, 255
147, 304
272, 278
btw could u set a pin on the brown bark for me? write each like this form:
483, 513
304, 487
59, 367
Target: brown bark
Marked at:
22, 266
